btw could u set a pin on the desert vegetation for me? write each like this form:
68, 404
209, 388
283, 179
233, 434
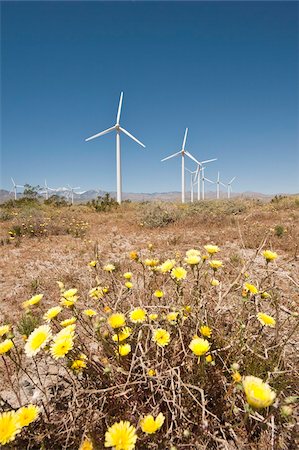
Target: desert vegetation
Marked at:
149, 326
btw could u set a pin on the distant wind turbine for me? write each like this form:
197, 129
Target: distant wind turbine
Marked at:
118, 129
218, 185
192, 176
71, 191
15, 187
47, 189
183, 152
229, 187
203, 179
198, 178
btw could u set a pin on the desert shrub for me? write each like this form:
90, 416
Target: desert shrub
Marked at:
56, 201
279, 230
177, 337
157, 215
103, 203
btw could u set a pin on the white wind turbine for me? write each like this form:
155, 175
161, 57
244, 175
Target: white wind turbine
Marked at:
71, 191
183, 152
203, 179
198, 178
218, 185
192, 177
15, 187
229, 187
118, 129
47, 189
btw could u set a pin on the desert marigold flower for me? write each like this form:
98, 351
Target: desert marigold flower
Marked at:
215, 264
151, 372
124, 349
179, 273
161, 337
258, 394
172, 317
86, 445
158, 294
116, 320
121, 436
192, 252
33, 300
269, 256
236, 376
265, 295
67, 322
150, 425
93, 263
4, 329
128, 275
134, 256
251, 288
192, 260
138, 315
109, 268
52, 313
9, 427
266, 320
90, 312
122, 335
5, 346
78, 365
27, 414
96, 292
205, 331
151, 262
167, 266
37, 340
70, 293
211, 249
209, 358
128, 284
61, 346
153, 316
199, 346
215, 282
67, 331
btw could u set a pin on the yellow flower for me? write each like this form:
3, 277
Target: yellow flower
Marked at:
211, 249
96, 292
153, 316
205, 331
215, 282
192, 260
251, 288
33, 300
265, 295
89, 312
150, 425
128, 275
258, 393
121, 436
199, 346
116, 320
161, 337
5, 346
61, 345
151, 372
51, 313
209, 358
179, 273
167, 266
215, 264
158, 294
9, 427
138, 315
269, 256
70, 293
192, 252
172, 317
236, 376
109, 268
134, 256
151, 262
93, 263
37, 340
27, 414
4, 329
122, 335
124, 349
86, 445
128, 284
266, 320
67, 322
78, 365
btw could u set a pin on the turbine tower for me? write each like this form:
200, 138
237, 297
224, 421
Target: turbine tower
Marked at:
47, 189
118, 130
197, 178
229, 187
203, 179
15, 187
183, 152
71, 191
218, 185
192, 176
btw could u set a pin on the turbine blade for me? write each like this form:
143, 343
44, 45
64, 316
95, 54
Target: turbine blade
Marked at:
131, 136
191, 157
119, 107
222, 184
13, 182
100, 134
209, 181
208, 160
185, 138
233, 179
171, 156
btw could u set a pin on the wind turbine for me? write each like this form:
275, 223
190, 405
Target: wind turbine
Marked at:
47, 189
229, 187
198, 179
71, 191
218, 185
192, 176
203, 179
118, 130
15, 187
183, 152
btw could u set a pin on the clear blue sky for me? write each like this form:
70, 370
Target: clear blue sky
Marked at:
226, 70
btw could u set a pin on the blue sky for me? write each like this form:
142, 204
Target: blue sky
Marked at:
226, 70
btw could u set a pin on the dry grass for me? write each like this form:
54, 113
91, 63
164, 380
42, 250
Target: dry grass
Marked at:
204, 408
